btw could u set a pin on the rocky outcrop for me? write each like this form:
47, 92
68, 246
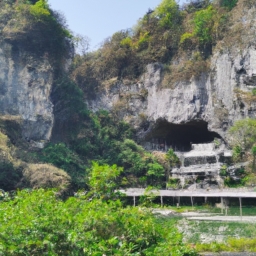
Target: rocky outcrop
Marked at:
25, 88
218, 97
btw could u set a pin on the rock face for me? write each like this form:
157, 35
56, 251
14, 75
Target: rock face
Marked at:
25, 87
218, 97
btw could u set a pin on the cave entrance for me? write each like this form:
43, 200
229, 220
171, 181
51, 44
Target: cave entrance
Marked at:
180, 136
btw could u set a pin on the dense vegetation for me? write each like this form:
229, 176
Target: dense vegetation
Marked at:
37, 223
97, 152
242, 137
165, 35
79, 136
33, 26
83, 136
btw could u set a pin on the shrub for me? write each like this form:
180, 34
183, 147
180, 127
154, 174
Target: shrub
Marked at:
230, 4
243, 134
126, 42
36, 223
62, 157
168, 13
203, 22
223, 170
186, 40
38, 30
40, 10
173, 183
103, 180
10, 175
45, 176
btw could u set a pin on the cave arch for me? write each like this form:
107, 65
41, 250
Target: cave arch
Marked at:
180, 136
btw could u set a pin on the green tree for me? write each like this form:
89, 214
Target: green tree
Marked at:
37, 223
173, 160
230, 4
254, 158
237, 153
168, 13
155, 172
40, 10
243, 134
103, 180
203, 25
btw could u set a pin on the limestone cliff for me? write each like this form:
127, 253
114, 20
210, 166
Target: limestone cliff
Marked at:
25, 88
217, 97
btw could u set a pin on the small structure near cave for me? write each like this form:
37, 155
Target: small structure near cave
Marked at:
200, 167
203, 154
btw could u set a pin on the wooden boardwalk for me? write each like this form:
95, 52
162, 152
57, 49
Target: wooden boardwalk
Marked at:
222, 194
131, 192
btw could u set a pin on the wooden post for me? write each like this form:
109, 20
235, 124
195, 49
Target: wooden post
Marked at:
192, 201
222, 206
240, 202
226, 208
173, 200
178, 204
161, 201
134, 201
205, 200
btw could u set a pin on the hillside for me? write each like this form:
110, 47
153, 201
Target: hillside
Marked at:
167, 105
180, 70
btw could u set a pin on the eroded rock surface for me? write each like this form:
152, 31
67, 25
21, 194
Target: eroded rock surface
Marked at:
25, 88
218, 97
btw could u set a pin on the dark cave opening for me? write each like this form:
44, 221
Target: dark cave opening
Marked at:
180, 136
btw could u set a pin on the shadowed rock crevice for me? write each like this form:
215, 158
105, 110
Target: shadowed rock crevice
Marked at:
180, 136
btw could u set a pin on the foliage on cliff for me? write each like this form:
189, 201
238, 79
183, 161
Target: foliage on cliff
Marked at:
242, 139
170, 34
33, 26
80, 136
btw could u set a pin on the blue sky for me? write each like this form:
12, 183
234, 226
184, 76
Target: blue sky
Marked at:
99, 19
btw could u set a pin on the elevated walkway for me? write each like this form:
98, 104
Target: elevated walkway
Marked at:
188, 193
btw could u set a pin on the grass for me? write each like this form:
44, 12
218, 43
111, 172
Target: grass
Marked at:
215, 236
182, 209
225, 229
231, 211
232, 245
218, 236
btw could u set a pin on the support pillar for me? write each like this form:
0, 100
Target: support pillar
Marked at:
178, 204
241, 211
134, 201
162, 203
192, 201
222, 206
226, 207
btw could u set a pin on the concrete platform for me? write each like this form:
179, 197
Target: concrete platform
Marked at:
191, 193
225, 218
228, 254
